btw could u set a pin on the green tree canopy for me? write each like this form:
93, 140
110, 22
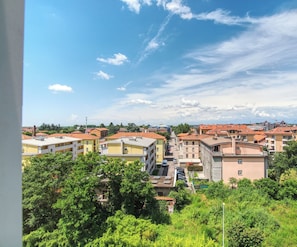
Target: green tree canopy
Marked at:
42, 183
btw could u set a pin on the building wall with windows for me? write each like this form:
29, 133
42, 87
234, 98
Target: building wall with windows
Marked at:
41, 146
132, 149
160, 141
223, 158
277, 139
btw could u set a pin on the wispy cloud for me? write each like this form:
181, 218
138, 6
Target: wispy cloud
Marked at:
60, 88
102, 75
118, 59
123, 88
139, 102
156, 42
249, 76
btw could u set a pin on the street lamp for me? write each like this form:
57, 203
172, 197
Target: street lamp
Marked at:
223, 224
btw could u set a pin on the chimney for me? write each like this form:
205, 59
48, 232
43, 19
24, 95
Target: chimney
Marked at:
233, 145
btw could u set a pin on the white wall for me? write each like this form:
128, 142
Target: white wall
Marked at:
11, 74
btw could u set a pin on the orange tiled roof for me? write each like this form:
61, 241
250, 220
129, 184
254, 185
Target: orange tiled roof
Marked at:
223, 127
182, 134
260, 137
282, 130
193, 137
26, 137
142, 134
80, 136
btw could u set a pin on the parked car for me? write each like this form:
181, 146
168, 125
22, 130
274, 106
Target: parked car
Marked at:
180, 169
164, 163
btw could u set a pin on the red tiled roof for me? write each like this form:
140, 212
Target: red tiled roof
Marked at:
80, 136
142, 134
193, 137
282, 130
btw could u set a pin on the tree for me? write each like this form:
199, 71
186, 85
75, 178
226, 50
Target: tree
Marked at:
240, 235
42, 183
82, 217
181, 128
290, 174
284, 161
132, 127
127, 230
181, 196
136, 190
233, 182
268, 187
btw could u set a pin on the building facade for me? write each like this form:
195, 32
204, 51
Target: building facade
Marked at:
160, 141
132, 149
41, 146
225, 158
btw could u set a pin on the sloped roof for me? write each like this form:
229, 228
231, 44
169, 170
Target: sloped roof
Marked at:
137, 134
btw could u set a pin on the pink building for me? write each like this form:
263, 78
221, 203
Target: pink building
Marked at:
223, 158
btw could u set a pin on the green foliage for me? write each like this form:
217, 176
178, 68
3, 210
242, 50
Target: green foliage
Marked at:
217, 190
288, 190
284, 161
268, 187
165, 134
181, 128
81, 214
127, 230
241, 236
290, 174
42, 181
181, 196
132, 127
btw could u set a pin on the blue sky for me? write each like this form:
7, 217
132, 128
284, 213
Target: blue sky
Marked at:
159, 61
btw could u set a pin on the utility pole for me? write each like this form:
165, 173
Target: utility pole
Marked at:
223, 244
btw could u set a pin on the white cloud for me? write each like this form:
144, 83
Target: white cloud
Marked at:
139, 102
135, 5
73, 117
60, 88
118, 59
123, 88
155, 42
102, 75
249, 77
176, 7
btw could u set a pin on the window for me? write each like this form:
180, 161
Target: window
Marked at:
193, 143
239, 172
239, 161
187, 156
216, 149
193, 155
186, 143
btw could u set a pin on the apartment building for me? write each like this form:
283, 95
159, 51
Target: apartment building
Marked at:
277, 138
160, 141
40, 146
230, 130
132, 149
223, 158
188, 149
99, 132
90, 143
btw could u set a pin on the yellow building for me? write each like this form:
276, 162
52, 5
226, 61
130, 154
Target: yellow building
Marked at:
132, 149
160, 141
40, 146
90, 142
